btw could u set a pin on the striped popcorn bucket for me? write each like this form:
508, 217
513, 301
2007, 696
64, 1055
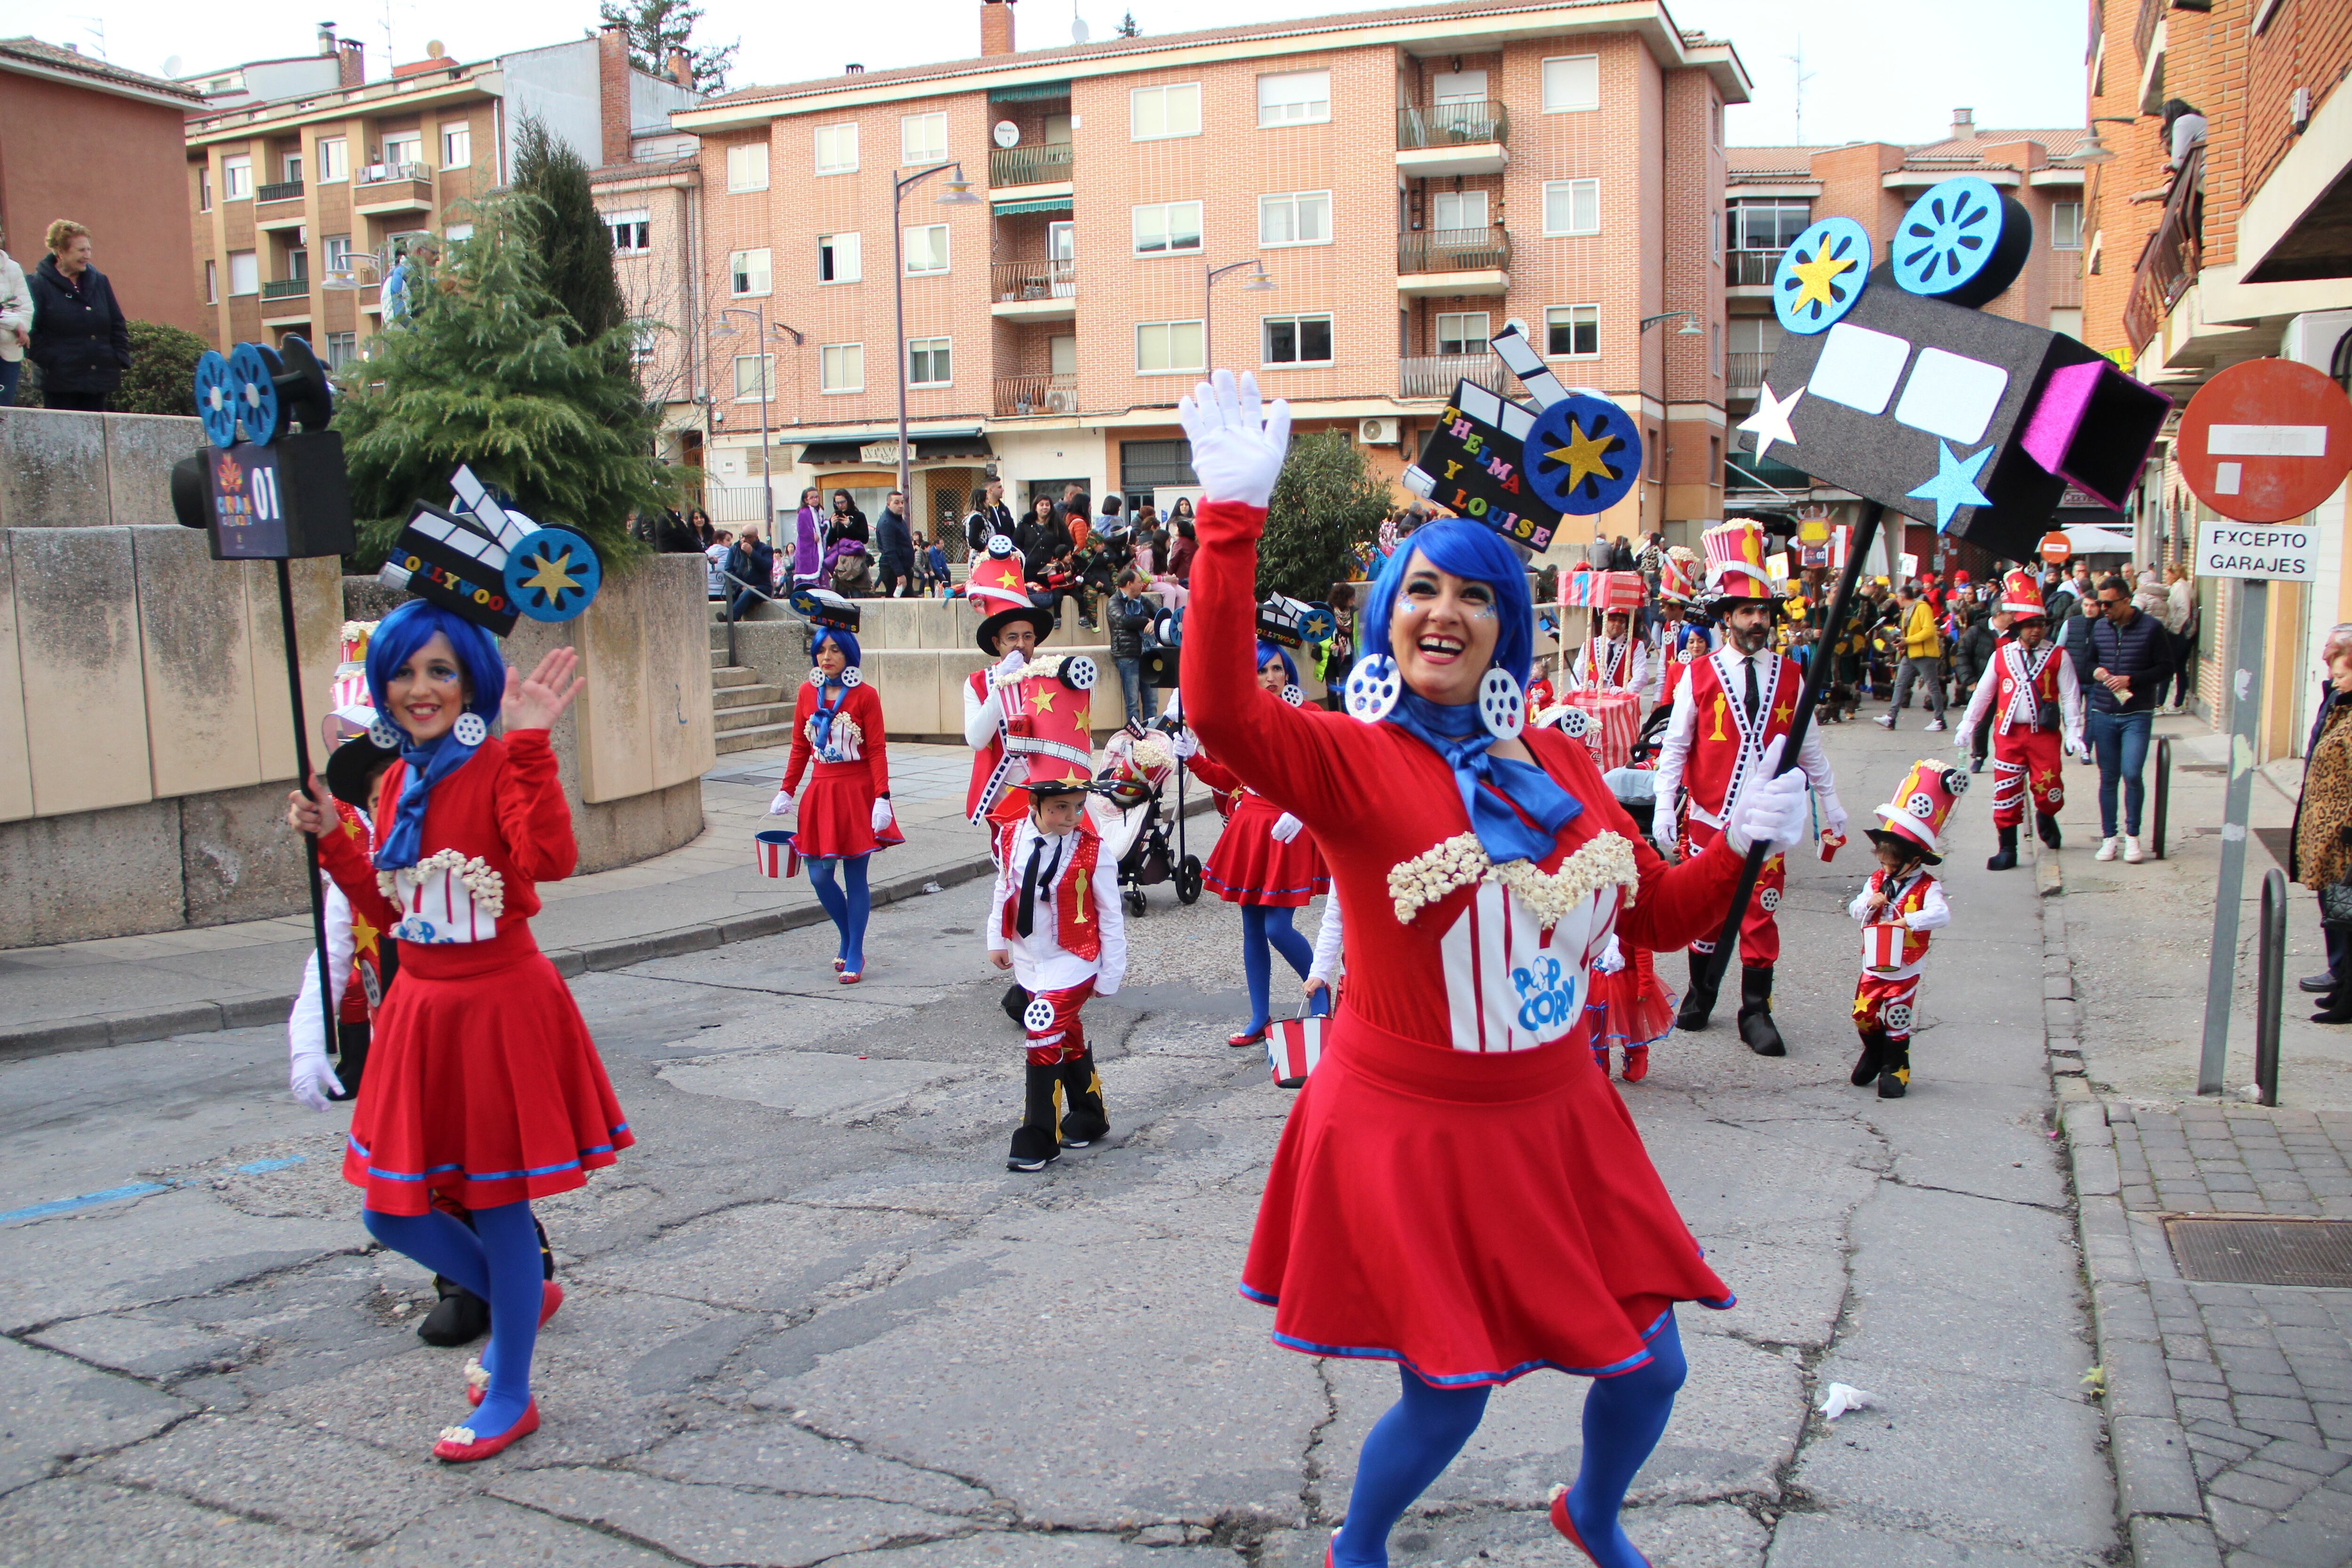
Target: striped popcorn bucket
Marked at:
774, 852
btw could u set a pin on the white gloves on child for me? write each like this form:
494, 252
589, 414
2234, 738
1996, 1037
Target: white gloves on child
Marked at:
1237, 446
1285, 827
1007, 669
312, 1080
1770, 809
881, 813
781, 803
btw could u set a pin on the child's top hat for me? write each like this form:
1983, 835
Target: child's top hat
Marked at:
1053, 736
1915, 817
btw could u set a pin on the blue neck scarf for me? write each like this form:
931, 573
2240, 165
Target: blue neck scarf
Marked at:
428, 765
1456, 734
830, 690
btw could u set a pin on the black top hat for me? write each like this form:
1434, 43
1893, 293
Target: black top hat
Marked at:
352, 766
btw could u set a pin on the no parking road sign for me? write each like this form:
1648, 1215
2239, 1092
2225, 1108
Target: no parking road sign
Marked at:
2266, 441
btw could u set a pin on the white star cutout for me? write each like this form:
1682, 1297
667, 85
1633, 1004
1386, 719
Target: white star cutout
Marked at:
1769, 423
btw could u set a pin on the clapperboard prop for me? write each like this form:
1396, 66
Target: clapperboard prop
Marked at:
825, 608
482, 559
1293, 1047
1287, 622
1891, 383
1519, 469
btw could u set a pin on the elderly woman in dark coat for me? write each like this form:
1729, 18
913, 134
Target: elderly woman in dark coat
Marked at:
81, 339
2323, 815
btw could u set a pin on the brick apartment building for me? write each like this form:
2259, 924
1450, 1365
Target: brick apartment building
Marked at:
2242, 250
302, 202
1409, 180
1772, 192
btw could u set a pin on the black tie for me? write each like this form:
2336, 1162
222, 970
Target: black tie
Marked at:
1026, 922
1751, 689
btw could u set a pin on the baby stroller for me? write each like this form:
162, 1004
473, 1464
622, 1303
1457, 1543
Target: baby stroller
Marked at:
848, 569
1136, 763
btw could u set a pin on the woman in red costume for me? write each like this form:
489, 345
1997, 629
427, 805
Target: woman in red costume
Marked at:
1458, 1189
482, 1081
845, 814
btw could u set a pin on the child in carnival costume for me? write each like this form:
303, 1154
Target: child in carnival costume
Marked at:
1900, 905
482, 1081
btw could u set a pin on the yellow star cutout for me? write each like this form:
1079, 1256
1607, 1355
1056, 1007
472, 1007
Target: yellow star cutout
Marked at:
1816, 276
1785, 712
550, 578
1044, 698
1082, 717
1582, 455
364, 935
1072, 776
1007, 576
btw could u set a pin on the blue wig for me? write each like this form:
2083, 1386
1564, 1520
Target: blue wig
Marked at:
1466, 549
846, 641
410, 628
1267, 652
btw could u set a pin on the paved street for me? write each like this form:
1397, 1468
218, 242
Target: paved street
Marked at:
812, 1318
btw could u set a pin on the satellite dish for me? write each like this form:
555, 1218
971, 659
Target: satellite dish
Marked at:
434, 49
1007, 134
1079, 33
172, 68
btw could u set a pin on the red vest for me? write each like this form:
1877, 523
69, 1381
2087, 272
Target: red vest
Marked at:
2013, 668
1914, 899
1074, 925
1617, 676
1723, 748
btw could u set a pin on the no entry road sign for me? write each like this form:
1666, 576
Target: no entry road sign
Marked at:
2266, 441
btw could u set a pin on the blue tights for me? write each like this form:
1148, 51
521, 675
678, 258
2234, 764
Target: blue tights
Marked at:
1409, 1447
1265, 924
497, 1260
848, 909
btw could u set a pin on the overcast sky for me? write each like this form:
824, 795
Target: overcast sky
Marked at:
1882, 69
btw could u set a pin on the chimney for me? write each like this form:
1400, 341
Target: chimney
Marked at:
995, 28
681, 68
1964, 124
327, 39
853, 69
353, 70
612, 94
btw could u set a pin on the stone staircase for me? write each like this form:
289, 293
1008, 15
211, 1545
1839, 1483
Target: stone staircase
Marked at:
746, 714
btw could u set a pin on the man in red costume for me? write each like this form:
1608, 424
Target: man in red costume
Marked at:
1736, 702
2035, 707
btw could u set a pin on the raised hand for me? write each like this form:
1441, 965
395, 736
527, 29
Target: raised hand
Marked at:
1237, 446
535, 702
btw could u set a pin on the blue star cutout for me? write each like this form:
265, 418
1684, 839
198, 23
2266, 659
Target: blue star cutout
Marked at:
1955, 484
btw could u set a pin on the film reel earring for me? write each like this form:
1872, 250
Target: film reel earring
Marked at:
1502, 706
1374, 688
471, 729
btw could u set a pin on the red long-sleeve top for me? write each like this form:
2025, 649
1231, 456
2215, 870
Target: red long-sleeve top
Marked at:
861, 706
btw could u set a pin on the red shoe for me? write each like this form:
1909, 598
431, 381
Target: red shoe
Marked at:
1255, 1037
477, 1377
1637, 1064
852, 976
1566, 1526
458, 1445
839, 964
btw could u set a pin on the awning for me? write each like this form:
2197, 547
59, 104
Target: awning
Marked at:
818, 453
2088, 540
927, 448
1043, 204
1030, 93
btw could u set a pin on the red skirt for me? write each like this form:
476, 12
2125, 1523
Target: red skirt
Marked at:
836, 814
1632, 1008
1475, 1217
482, 1082
1250, 865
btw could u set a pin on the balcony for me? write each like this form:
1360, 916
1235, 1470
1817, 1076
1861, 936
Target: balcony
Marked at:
385, 188
286, 299
1019, 397
1748, 368
1040, 290
1749, 268
1039, 164
1455, 261
2170, 263
1434, 377
284, 191
1452, 139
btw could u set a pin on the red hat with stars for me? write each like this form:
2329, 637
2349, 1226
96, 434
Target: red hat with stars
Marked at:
998, 590
1049, 725
1922, 802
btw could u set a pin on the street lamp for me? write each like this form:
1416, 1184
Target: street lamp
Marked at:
2090, 148
759, 314
1689, 328
1259, 283
959, 193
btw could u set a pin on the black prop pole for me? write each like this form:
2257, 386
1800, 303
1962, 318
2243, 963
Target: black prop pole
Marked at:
302, 778
1817, 669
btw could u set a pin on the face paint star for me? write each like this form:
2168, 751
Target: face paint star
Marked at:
1814, 277
1769, 423
1583, 456
550, 578
1955, 484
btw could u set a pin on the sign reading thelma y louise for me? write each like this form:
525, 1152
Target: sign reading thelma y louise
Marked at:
2266, 441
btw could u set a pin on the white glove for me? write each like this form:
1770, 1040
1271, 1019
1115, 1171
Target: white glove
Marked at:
1835, 826
781, 803
1185, 744
2077, 747
1007, 669
1611, 959
1770, 809
312, 1080
1237, 448
1285, 827
1663, 832
881, 813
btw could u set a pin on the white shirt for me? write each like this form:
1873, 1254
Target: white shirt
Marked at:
1040, 961
1673, 755
306, 1026
2011, 655
1604, 653
1329, 938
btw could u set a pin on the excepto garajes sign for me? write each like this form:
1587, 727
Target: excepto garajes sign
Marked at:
2287, 553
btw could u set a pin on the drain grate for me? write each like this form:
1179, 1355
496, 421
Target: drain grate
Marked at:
2316, 1255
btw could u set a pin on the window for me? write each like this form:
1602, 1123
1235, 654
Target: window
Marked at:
244, 272
1295, 339
753, 374
1161, 347
845, 367
1293, 98
1463, 332
1570, 82
747, 273
631, 232
1155, 112
458, 231
457, 148
1167, 227
342, 349
212, 283
1458, 210
927, 362
747, 165
407, 147
1768, 225
1573, 331
1571, 206
1715, 346
236, 178
2067, 318
926, 249
335, 158
839, 258
836, 152
298, 266
203, 190
291, 168
1143, 465
1458, 87
923, 138
2067, 225
338, 251
1296, 218
1715, 235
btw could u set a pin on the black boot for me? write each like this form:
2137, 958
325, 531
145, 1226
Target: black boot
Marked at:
2006, 860
1085, 1122
2336, 1007
459, 1319
2045, 824
1699, 1001
1756, 1013
1873, 1056
351, 1057
1037, 1142
1016, 1001
1894, 1072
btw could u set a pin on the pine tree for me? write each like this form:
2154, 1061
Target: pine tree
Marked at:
654, 27
563, 226
488, 375
1325, 506
1127, 27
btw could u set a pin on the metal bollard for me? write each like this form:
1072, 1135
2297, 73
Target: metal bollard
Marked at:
2163, 792
2270, 971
